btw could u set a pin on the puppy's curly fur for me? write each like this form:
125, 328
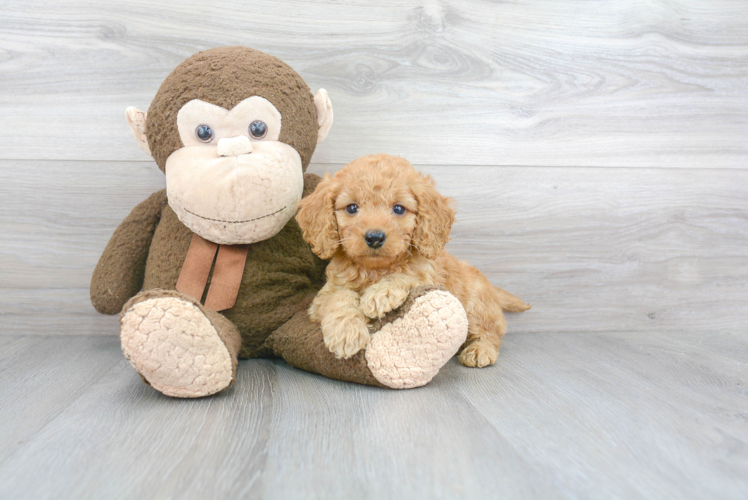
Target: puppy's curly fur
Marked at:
367, 279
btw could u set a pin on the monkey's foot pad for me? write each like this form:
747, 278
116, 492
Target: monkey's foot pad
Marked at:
171, 343
412, 349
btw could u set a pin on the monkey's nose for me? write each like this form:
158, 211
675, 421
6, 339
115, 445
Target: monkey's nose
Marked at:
234, 146
375, 238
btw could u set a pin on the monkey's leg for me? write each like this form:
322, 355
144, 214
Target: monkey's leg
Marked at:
408, 347
177, 346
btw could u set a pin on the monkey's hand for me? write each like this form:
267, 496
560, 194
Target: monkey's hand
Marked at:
119, 274
387, 294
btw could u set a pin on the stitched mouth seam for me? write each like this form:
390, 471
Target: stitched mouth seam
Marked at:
236, 221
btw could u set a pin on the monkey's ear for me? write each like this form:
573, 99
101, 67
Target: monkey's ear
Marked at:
136, 120
316, 218
324, 113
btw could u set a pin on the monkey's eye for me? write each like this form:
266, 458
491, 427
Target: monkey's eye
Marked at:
204, 133
399, 209
352, 208
258, 129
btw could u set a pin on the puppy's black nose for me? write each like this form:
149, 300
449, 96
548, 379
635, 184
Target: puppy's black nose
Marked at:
375, 239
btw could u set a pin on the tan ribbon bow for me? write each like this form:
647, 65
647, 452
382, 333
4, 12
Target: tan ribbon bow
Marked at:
227, 274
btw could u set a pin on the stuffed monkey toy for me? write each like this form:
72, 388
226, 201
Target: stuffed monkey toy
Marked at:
214, 268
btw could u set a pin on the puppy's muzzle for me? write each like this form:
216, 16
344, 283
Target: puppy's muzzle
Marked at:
375, 239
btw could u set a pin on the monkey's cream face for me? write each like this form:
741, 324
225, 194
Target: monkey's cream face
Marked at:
233, 182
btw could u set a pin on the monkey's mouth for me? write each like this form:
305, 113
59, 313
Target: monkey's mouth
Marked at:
237, 221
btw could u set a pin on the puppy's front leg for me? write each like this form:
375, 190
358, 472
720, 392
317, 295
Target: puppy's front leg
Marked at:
344, 329
387, 294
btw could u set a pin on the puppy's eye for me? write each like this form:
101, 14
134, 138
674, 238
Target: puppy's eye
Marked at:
258, 129
204, 133
352, 208
399, 209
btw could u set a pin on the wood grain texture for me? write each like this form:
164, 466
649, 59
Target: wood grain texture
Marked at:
643, 405
591, 249
41, 377
617, 415
55, 219
474, 82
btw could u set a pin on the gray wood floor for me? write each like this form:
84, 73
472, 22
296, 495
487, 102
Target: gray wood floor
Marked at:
551, 420
598, 155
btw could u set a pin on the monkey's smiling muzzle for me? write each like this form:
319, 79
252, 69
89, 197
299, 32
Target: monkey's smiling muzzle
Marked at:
235, 198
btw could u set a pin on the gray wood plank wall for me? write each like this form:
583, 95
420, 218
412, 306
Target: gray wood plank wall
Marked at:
597, 150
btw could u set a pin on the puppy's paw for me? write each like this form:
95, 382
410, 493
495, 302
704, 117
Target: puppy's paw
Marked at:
345, 337
479, 354
314, 314
379, 299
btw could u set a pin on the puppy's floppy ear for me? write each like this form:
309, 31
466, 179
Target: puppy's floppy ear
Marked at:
316, 218
434, 220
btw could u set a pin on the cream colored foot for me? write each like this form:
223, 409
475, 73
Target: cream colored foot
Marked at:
171, 343
412, 349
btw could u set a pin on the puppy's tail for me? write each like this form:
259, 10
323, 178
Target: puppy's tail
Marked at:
510, 303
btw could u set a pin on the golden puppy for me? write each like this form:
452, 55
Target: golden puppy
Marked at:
384, 227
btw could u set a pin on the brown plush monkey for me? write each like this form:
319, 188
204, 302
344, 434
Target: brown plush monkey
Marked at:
214, 268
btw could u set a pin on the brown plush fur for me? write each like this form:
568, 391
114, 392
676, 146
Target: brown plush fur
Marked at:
148, 249
225, 76
120, 272
300, 344
365, 283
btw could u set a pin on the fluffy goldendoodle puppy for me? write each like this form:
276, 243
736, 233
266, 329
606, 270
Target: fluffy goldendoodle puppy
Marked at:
384, 226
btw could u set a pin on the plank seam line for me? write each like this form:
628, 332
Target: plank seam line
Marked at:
419, 165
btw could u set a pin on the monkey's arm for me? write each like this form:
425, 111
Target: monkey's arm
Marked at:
119, 274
